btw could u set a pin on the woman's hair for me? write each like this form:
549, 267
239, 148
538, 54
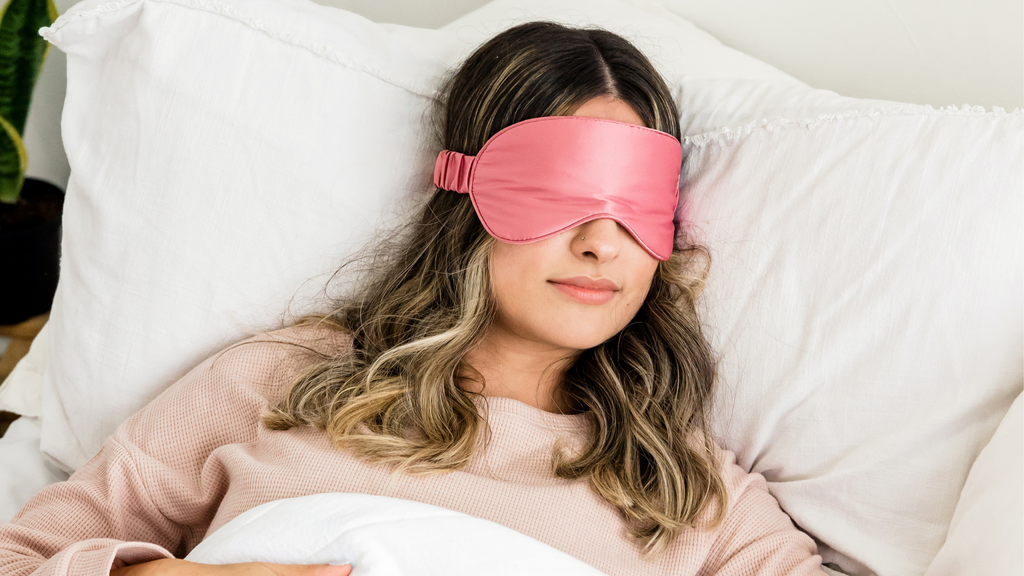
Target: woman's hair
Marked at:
395, 396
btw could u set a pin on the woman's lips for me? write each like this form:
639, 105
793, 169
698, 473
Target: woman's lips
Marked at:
595, 292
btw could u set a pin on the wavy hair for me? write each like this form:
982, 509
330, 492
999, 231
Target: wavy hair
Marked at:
396, 398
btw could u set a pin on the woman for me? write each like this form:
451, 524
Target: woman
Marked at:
528, 353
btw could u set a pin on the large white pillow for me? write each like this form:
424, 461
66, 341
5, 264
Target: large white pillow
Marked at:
225, 157
865, 298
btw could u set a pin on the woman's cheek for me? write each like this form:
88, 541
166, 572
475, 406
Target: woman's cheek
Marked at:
630, 306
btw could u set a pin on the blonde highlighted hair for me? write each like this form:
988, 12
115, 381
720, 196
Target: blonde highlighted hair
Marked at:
396, 398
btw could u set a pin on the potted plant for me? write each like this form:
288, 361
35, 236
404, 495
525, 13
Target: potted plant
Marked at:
30, 209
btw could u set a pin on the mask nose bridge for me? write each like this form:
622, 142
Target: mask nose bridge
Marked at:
610, 216
615, 209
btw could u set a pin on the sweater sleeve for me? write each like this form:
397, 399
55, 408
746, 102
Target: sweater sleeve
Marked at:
757, 538
155, 486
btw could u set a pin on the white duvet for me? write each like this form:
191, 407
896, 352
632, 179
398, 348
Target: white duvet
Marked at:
381, 536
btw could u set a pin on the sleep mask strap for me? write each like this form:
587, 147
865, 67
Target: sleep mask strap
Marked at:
453, 170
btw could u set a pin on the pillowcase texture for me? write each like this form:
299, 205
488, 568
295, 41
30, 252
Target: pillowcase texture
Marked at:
865, 300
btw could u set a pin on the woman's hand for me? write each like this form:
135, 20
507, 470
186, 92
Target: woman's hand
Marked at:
175, 567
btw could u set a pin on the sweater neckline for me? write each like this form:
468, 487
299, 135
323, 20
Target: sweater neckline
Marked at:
497, 407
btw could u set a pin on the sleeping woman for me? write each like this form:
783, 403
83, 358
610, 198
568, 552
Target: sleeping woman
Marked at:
527, 352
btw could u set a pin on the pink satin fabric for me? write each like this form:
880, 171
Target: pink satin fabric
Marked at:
542, 176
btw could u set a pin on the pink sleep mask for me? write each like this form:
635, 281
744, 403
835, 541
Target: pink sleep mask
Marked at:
542, 176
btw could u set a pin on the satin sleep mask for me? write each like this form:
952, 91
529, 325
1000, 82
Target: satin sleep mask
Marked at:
542, 176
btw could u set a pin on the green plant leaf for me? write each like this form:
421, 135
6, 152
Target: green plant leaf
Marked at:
13, 160
22, 52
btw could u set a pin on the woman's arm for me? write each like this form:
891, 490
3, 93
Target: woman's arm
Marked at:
170, 567
154, 488
757, 538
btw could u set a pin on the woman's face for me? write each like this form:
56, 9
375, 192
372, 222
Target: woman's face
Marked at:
535, 284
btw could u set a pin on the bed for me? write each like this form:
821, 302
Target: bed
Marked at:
865, 295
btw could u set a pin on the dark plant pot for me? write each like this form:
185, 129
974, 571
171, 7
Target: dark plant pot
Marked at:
30, 251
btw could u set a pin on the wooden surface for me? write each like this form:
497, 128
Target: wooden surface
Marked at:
21, 336
5, 420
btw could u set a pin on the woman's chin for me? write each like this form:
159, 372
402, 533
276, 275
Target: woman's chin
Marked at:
582, 340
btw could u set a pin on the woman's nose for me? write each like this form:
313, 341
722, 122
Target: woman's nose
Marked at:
600, 239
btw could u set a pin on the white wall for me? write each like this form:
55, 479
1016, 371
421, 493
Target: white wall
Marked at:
937, 52
419, 13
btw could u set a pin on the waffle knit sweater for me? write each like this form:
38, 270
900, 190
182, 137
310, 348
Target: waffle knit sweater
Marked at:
198, 456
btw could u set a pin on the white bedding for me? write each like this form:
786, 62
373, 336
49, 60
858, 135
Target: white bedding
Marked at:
381, 536
24, 469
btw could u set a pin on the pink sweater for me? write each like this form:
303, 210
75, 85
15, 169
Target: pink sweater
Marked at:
197, 456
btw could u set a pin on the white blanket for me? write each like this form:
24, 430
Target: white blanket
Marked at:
381, 536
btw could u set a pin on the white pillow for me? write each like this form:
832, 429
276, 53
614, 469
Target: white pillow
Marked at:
382, 536
987, 531
225, 157
865, 298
